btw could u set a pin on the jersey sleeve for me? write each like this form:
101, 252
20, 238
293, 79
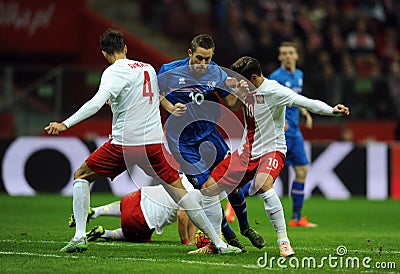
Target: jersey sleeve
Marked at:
222, 89
223, 92
315, 106
162, 69
112, 81
111, 84
162, 77
281, 95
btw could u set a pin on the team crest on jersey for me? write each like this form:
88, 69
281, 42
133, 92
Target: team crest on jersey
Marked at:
288, 84
211, 84
182, 81
260, 99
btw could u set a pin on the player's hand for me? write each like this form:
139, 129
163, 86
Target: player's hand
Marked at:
231, 82
54, 128
179, 109
342, 110
240, 88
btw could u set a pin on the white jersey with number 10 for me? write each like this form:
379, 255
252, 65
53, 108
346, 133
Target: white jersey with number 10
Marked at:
265, 119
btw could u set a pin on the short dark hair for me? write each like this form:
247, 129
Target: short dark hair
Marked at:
204, 41
111, 41
288, 44
247, 66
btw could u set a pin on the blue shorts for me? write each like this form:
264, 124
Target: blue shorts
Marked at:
198, 160
296, 154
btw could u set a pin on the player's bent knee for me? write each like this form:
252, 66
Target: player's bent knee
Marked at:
84, 172
210, 189
301, 173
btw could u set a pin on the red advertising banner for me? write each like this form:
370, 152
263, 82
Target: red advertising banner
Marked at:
40, 25
67, 31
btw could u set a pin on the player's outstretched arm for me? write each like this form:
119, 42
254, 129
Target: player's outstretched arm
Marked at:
87, 110
321, 108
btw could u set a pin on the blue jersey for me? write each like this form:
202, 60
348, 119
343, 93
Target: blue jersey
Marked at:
178, 83
293, 81
193, 138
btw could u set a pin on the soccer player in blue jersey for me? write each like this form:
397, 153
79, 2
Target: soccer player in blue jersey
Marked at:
290, 76
193, 137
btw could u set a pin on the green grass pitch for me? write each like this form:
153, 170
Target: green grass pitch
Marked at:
33, 229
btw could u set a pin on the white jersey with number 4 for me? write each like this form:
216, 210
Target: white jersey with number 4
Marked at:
134, 97
133, 91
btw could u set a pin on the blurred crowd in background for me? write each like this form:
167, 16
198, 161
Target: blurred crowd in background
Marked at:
340, 36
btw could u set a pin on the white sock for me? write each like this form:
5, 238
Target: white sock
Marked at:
112, 209
80, 205
273, 208
196, 214
115, 235
212, 208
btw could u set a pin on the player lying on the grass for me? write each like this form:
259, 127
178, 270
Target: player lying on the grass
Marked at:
261, 154
142, 212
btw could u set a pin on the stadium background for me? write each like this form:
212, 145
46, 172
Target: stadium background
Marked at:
50, 64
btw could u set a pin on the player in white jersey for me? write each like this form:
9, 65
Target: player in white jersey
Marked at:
137, 138
261, 154
142, 212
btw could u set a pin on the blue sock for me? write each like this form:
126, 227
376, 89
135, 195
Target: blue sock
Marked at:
245, 189
238, 202
297, 194
225, 228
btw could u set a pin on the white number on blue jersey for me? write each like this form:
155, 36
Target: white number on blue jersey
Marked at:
197, 98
